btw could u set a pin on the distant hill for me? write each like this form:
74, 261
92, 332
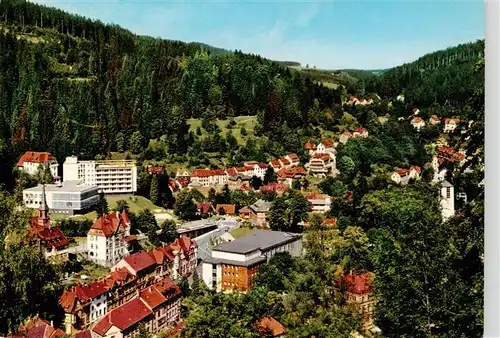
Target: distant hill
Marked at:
445, 76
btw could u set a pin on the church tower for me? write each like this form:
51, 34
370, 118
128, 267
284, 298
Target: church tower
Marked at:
447, 200
43, 211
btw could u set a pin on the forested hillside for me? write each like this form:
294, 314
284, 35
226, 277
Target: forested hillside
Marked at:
443, 77
74, 86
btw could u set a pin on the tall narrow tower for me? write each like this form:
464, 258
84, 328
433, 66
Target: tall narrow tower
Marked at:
43, 211
447, 200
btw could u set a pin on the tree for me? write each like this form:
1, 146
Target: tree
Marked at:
44, 175
154, 192
102, 205
136, 142
269, 176
168, 231
146, 222
120, 142
143, 332
256, 182
184, 206
287, 211
121, 205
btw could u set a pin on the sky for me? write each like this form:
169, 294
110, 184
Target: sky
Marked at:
330, 34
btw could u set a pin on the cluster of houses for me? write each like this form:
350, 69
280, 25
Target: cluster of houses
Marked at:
359, 102
139, 289
449, 126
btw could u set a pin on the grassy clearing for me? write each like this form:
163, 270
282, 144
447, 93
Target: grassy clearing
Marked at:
136, 203
93, 271
248, 122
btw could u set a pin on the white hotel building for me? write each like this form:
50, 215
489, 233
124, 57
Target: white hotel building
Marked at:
111, 176
67, 198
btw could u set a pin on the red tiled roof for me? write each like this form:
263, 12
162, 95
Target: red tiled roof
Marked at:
241, 169
347, 133
271, 325
176, 329
139, 261
110, 223
358, 284
360, 130
204, 207
294, 158
168, 288
330, 221
321, 156
415, 110
201, 173
316, 196
232, 172
262, 165
245, 187
417, 169
352, 98
152, 297
35, 157
309, 145
123, 317
417, 119
183, 182
274, 187
453, 121
402, 172
218, 172
276, 164
249, 167
291, 172
327, 143
38, 328
434, 117
284, 161
50, 236
155, 170
229, 209
84, 334
130, 238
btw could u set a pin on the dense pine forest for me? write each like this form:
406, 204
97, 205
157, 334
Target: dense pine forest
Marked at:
71, 85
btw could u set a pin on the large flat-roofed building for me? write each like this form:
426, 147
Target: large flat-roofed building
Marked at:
69, 197
233, 265
111, 176
196, 228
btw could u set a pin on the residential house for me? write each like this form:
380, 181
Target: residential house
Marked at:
402, 176
37, 328
319, 202
232, 266
207, 178
269, 327
84, 304
310, 147
345, 137
417, 123
360, 132
359, 294
400, 98
321, 164
329, 223
274, 187
287, 176
108, 239
226, 209
415, 111
434, 120
285, 163
294, 159
155, 170
259, 170
256, 213
50, 238
276, 164
204, 208
451, 124
182, 173
31, 161
156, 307
236, 179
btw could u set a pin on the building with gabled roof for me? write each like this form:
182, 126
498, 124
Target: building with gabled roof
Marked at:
50, 238
319, 202
360, 132
107, 238
31, 161
157, 307
359, 295
37, 328
225, 209
345, 137
450, 124
417, 123
268, 326
434, 119
256, 213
